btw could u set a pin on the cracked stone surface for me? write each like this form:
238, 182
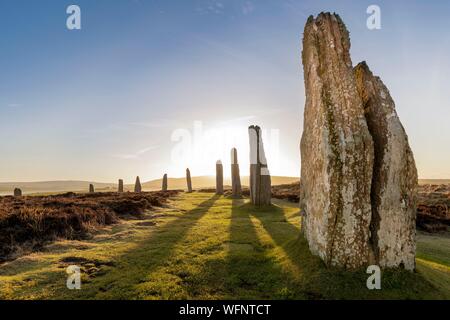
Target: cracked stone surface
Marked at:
394, 183
336, 149
358, 175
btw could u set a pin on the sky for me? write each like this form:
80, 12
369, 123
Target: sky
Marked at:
148, 87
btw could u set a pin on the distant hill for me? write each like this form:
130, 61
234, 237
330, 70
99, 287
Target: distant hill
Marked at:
51, 186
434, 181
174, 183
6, 188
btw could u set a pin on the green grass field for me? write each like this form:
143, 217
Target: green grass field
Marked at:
203, 246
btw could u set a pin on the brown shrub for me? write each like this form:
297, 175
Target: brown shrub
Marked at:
32, 221
290, 192
433, 210
433, 214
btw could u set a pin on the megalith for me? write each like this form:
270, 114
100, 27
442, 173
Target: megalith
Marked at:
358, 177
260, 182
91, 188
137, 185
236, 189
164, 182
188, 181
120, 188
219, 177
336, 149
17, 192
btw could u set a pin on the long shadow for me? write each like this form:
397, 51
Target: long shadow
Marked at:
158, 246
252, 274
319, 281
282, 232
288, 237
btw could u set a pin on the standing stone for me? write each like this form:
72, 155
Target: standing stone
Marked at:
358, 180
137, 185
188, 181
120, 189
164, 182
260, 182
91, 188
336, 149
394, 180
17, 192
235, 175
219, 177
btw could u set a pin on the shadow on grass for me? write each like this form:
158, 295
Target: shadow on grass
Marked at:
135, 266
317, 281
281, 231
249, 268
252, 272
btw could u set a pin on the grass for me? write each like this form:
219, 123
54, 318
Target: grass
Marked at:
204, 246
434, 248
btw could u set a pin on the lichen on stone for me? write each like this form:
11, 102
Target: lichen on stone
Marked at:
350, 170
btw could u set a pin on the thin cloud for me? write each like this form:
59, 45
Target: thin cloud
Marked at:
239, 119
211, 6
296, 7
136, 155
153, 124
15, 105
248, 8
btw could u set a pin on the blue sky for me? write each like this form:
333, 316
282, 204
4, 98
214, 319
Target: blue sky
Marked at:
108, 101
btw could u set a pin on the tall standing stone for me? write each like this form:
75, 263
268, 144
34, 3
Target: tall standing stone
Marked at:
91, 188
358, 178
137, 185
236, 188
188, 180
336, 149
219, 177
120, 189
164, 182
394, 180
17, 192
260, 182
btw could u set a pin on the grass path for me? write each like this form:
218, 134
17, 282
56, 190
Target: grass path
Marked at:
204, 246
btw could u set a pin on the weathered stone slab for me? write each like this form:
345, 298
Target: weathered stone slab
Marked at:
260, 182
137, 185
358, 176
394, 183
336, 149
17, 192
91, 188
120, 188
188, 181
164, 182
219, 177
236, 189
